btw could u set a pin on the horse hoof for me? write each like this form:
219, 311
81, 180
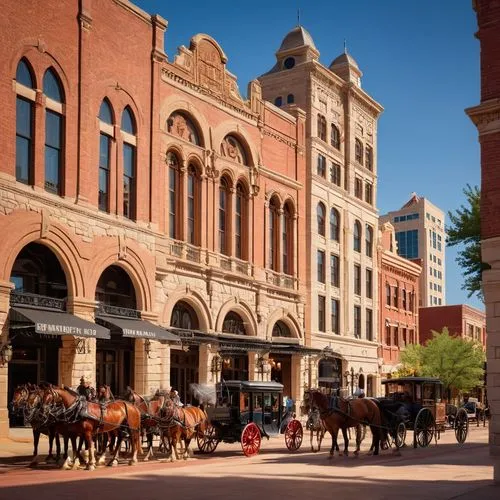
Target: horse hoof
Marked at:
76, 464
90, 467
132, 462
113, 463
146, 459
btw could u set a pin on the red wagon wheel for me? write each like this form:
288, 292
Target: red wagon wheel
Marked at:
293, 435
250, 440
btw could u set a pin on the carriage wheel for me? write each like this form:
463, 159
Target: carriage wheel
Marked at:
293, 435
424, 428
250, 440
208, 441
400, 435
461, 426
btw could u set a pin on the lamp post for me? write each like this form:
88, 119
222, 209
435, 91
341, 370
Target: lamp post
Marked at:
216, 366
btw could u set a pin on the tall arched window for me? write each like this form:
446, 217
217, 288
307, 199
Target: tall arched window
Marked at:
273, 227
287, 240
129, 135
280, 329
320, 216
25, 101
105, 139
335, 137
184, 316
240, 223
54, 127
357, 236
290, 99
369, 158
193, 206
173, 196
334, 225
358, 151
322, 127
369, 240
223, 215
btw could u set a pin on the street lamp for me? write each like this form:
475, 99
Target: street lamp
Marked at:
351, 376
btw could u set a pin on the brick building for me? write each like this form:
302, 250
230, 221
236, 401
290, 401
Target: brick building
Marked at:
152, 220
398, 291
342, 218
486, 117
461, 320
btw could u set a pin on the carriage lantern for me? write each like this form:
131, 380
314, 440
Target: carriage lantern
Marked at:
216, 364
6, 353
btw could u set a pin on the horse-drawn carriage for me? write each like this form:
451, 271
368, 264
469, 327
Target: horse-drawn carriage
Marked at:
426, 413
247, 412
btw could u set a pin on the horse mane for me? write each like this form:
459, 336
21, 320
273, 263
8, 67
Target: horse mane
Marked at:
71, 391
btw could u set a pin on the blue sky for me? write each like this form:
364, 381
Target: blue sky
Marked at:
419, 59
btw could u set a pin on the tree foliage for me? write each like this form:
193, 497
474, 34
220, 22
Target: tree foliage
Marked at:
457, 362
465, 231
411, 361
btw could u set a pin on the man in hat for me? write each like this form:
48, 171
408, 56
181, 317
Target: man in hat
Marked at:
85, 389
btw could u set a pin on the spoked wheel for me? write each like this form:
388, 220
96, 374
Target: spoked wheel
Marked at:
461, 426
400, 436
250, 440
424, 429
293, 435
208, 441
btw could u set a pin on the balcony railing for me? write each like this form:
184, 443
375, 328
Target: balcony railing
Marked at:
34, 300
281, 280
123, 312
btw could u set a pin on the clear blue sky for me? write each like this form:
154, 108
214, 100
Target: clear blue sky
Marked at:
419, 59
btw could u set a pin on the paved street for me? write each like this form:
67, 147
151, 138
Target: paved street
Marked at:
444, 471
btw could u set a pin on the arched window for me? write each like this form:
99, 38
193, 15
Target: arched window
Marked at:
180, 125
357, 236
369, 240
335, 137
193, 206
322, 127
358, 151
25, 101
273, 232
320, 216
105, 139
369, 158
287, 240
241, 223
280, 329
278, 101
129, 164
233, 324
184, 316
233, 149
173, 198
290, 99
223, 215
334, 225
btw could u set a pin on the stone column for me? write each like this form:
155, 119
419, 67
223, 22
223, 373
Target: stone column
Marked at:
183, 184
5, 289
490, 250
78, 354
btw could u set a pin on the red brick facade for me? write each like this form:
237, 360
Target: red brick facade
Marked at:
398, 295
461, 320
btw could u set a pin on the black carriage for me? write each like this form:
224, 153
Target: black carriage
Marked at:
425, 411
246, 412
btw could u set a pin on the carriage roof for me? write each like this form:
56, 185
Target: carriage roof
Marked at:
414, 380
252, 386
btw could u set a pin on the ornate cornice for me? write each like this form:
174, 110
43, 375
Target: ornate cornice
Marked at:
279, 137
486, 116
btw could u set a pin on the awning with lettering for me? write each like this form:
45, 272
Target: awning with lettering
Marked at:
136, 328
56, 323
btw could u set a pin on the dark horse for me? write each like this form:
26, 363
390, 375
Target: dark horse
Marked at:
28, 398
64, 407
348, 413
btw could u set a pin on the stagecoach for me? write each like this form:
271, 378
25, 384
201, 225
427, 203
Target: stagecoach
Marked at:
247, 411
427, 414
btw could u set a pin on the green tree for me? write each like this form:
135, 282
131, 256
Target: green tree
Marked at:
465, 231
411, 361
457, 362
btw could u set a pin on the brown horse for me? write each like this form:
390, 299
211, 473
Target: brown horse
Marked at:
27, 398
182, 423
150, 414
66, 408
348, 413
